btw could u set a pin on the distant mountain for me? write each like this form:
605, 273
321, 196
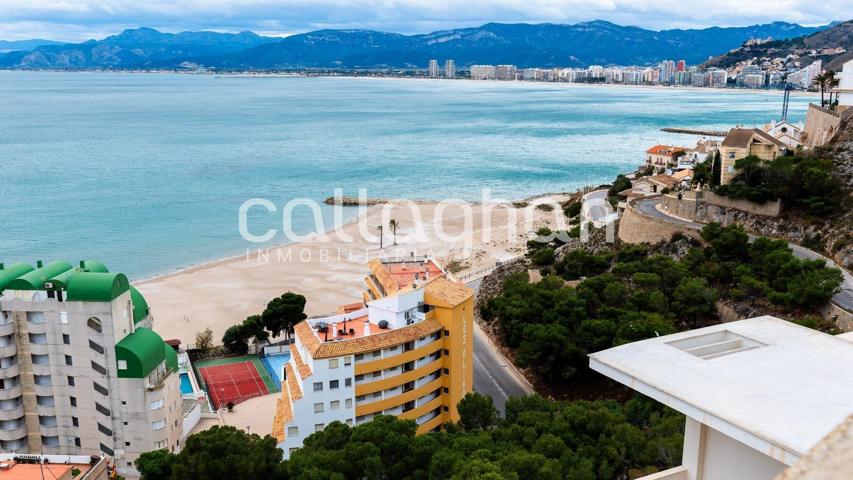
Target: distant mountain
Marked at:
582, 44
16, 45
838, 35
136, 48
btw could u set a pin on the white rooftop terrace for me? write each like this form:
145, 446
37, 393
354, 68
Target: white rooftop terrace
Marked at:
768, 383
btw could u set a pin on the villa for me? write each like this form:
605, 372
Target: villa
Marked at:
663, 156
742, 142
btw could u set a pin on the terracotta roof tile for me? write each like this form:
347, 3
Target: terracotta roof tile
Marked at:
371, 342
447, 291
385, 279
304, 369
283, 414
292, 383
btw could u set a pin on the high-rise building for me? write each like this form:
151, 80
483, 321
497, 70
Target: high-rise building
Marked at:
483, 72
433, 68
682, 66
449, 69
406, 350
505, 72
82, 371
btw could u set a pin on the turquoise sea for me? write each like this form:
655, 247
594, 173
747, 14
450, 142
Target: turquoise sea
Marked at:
146, 172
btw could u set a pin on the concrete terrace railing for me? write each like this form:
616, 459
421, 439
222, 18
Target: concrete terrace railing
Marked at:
676, 473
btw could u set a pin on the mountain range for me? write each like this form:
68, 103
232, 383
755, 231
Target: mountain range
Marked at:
581, 44
16, 45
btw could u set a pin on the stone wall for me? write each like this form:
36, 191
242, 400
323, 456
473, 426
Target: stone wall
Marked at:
637, 227
821, 125
767, 209
691, 202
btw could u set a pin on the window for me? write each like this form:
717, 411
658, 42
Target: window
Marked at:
359, 356
348, 382
377, 374
446, 352
333, 363
348, 403
158, 425
63, 318
100, 389
103, 410
157, 404
160, 445
35, 317
94, 346
318, 386
72, 401
359, 378
318, 427
446, 390
377, 353
393, 349
347, 361
44, 400
292, 431
66, 339
446, 333
75, 422
106, 431
94, 324
122, 364
333, 384
76, 441
70, 381
43, 380
98, 368
335, 405
40, 359
318, 407
446, 371
68, 360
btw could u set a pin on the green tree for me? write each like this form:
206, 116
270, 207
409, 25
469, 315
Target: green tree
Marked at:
227, 452
235, 340
621, 183
253, 327
155, 465
694, 298
477, 412
543, 257
283, 313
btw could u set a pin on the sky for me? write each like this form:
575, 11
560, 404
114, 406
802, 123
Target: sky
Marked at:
80, 20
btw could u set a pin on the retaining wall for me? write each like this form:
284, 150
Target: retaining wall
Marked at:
688, 205
637, 227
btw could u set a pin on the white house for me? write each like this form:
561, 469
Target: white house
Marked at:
786, 132
758, 394
845, 85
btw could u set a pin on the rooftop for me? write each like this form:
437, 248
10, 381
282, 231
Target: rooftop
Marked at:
32, 471
741, 137
766, 382
665, 150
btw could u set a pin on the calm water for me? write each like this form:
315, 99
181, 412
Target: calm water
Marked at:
147, 172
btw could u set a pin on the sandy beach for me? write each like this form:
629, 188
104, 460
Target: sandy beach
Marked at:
328, 269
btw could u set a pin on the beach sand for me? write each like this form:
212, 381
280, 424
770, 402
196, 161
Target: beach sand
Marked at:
328, 269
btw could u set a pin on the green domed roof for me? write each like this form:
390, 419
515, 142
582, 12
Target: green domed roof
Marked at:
35, 279
95, 287
171, 357
93, 266
140, 306
142, 351
13, 271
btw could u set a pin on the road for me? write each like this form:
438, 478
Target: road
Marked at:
843, 299
595, 208
493, 373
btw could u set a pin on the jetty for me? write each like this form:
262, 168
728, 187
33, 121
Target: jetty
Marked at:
694, 131
347, 201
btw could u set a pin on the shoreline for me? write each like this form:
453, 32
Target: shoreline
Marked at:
271, 74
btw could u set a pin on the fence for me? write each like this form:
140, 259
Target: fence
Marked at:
482, 272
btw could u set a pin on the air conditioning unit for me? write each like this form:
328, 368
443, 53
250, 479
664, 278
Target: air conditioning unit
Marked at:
48, 286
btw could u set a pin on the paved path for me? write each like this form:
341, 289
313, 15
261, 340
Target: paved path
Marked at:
494, 375
843, 298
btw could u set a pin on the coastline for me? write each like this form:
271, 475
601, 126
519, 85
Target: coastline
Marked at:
328, 268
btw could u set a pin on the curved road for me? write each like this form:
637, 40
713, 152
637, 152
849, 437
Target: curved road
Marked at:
494, 375
843, 299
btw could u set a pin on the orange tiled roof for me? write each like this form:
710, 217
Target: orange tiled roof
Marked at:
383, 276
304, 369
664, 180
292, 383
446, 291
664, 150
368, 343
283, 414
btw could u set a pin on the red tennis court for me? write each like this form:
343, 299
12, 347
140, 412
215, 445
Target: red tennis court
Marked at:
233, 382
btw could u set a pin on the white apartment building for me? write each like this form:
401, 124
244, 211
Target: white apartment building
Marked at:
449, 69
845, 85
483, 72
433, 68
82, 372
758, 393
804, 77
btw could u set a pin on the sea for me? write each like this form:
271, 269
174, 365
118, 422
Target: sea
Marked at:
148, 172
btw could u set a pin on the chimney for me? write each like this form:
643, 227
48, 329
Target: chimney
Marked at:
39, 264
335, 330
366, 328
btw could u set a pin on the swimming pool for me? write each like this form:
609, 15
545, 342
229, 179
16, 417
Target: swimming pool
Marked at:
186, 385
275, 364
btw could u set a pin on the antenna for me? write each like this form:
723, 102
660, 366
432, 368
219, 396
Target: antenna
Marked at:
785, 99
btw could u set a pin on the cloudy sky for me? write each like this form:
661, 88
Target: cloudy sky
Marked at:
78, 20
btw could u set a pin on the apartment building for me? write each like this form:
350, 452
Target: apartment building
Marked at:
407, 350
663, 156
449, 69
433, 69
759, 394
82, 371
742, 142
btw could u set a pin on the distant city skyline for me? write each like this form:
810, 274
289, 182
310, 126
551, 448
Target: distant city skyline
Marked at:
80, 20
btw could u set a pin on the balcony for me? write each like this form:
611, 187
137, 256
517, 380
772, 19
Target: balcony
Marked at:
11, 392
13, 434
13, 413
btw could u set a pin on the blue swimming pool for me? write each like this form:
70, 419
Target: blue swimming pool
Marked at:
186, 385
274, 365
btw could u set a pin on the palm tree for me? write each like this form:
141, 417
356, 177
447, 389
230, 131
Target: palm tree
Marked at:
380, 236
820, 80
831, 83
392, 224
